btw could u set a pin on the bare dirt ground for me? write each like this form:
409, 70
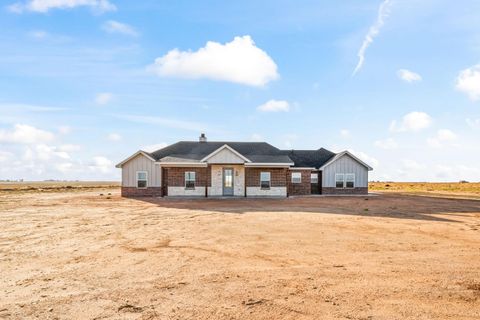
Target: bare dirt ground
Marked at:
79, 255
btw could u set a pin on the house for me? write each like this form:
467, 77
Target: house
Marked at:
241, 169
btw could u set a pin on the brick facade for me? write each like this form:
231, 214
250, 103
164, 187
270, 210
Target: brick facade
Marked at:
133, 192
303, 188
175, 176
358, 190
277, 176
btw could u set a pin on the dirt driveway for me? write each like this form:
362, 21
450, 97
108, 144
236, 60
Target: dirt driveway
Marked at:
79, 255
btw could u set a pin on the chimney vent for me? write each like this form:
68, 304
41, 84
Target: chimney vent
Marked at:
202, 138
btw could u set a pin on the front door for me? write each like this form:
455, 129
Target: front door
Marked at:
315, 183
227, 181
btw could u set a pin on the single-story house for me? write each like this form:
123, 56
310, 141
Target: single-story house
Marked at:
241, 169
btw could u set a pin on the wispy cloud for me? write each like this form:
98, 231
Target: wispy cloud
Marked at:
408, 76
274, 106
387, 144
30, 107
383, 12
103, 98
38, 34
44, 6
112, 26
442, 138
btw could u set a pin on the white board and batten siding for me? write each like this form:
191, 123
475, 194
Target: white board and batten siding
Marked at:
141, 163
345, 164
225, 156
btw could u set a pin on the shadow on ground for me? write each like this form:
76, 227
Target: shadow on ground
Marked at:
384, 205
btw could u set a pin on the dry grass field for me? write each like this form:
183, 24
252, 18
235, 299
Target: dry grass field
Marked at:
86, 253
442, 189
55, 186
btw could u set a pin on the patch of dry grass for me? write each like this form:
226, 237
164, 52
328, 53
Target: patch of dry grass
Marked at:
471, 189
56, 186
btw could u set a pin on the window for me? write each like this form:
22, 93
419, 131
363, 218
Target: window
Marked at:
141, 179
339, 179
314, 178
349, 180
296, 177
265, 180
190, 180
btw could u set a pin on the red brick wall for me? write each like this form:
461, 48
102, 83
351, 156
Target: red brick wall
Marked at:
132, 192
176, 176
303, 188
278, 176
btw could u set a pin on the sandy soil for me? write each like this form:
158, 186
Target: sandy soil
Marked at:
79, 255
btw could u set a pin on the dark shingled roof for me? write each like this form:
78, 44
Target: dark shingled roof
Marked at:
261, 152
193, 150
309, 158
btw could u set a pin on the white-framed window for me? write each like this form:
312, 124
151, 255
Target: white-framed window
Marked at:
190, 180
339, 180
314, 177
265, 180
345, 180
296, 177
350, 180
142, 178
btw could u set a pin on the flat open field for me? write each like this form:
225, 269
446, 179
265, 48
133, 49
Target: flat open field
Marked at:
440, 189
80, 255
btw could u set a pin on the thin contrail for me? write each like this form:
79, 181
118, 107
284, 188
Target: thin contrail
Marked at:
383, 12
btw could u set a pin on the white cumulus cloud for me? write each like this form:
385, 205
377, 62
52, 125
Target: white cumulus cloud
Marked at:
413, 121
44, 6
101, 164
443, 137
25, 134
468, 81
45, 152
238, 61
103, 98
383, 12
112, 26
274, 106
408, 76
69, 147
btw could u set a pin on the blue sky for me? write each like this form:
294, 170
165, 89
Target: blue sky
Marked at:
85, 83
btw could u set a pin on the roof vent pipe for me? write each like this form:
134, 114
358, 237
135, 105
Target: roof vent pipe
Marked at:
202, 138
